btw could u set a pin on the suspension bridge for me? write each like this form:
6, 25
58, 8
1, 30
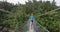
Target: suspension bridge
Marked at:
33, 26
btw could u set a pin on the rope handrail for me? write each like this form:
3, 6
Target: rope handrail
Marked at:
5, 11
49, 12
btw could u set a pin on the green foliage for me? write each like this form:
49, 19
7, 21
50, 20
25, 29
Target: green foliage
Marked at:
22, 12
6, 6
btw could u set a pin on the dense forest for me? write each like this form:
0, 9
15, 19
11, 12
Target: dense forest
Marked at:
20, 13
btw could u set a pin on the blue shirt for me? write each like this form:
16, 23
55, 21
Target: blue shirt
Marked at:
31, 18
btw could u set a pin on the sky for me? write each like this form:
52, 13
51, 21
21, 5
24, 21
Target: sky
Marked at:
23, 1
